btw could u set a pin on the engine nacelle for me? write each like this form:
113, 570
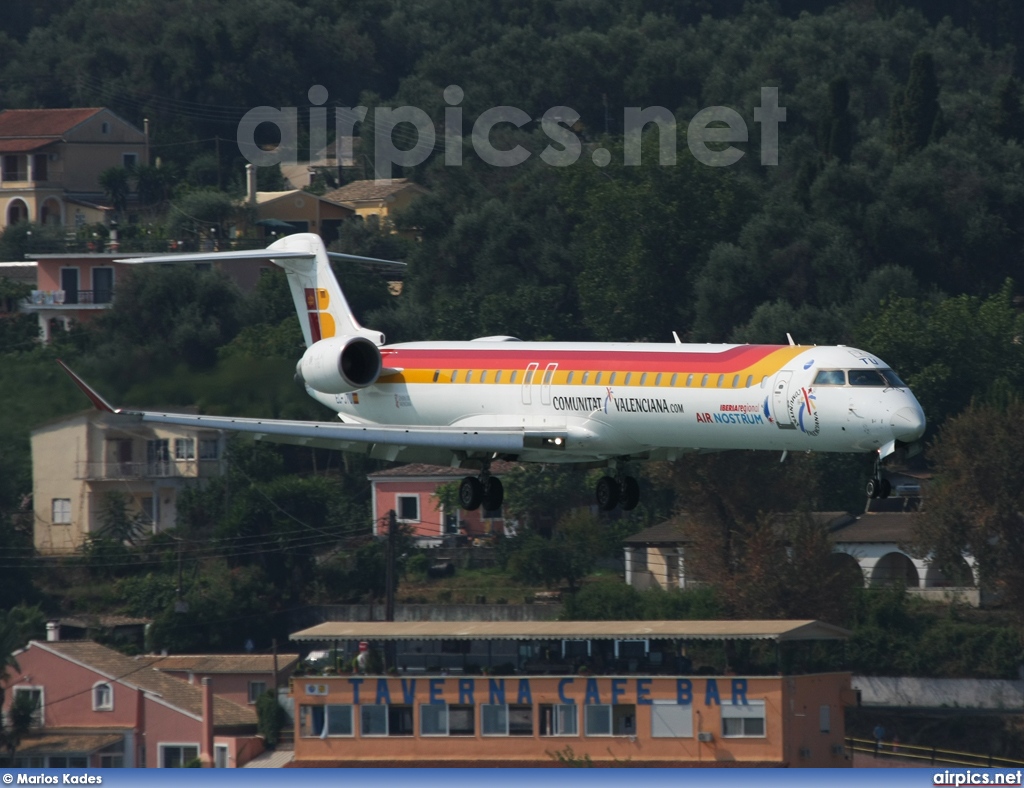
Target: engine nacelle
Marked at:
340, 364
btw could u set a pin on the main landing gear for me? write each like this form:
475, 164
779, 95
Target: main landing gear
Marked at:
485, 490
878, 485
622, 491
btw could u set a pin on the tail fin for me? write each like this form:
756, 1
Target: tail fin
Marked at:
322, 308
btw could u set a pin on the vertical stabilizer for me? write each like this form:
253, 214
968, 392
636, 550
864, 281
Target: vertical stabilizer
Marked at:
321, 306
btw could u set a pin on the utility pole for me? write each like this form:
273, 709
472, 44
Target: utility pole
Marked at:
389, 604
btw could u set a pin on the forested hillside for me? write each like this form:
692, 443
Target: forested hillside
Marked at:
894, 219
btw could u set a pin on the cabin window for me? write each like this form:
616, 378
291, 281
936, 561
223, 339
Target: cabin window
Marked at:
586, 376
483, 376
893, 378
720, 379
866, 377
735, 381
689, 379
764, 381
704, 381
548, 375
469, 376
657, 380
611, 379
643, 379
529, 376
597, 380
568, 380
455, 374
497, 376
673, 381
437, 375
750, 380
830, 377
513, 378
628, 376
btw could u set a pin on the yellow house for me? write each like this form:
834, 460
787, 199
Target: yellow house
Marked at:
78, 460
51, 161
377, 198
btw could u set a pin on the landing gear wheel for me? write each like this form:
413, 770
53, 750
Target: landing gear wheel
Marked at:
885, 488
630, 493
493, 493
607, 493
471, 493
873, 487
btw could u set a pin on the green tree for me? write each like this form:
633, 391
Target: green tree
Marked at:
1008, 120
838, 127
116, 183
976, 503
916, 116
15, 725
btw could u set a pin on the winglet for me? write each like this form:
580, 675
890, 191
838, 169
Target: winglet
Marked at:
97, 400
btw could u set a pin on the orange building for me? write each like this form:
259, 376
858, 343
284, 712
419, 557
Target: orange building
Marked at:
648, 703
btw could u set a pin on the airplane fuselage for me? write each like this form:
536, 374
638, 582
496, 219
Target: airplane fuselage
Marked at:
640, 400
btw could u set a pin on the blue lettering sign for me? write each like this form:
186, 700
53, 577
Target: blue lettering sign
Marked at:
436, 688
408, 691
643, 692
592, 696
497, 692
383, 693
711, 693
466, 691
355, 689
561, 691
739, 692
524, 696
684, 692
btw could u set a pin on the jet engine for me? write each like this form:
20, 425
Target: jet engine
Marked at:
340, 364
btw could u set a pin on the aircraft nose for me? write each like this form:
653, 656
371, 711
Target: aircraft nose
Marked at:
907, 424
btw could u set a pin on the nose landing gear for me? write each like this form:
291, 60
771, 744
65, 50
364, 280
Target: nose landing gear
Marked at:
878, 486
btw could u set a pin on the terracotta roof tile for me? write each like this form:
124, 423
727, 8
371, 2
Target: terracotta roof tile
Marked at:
879, 527
370, 190
140, 672
15, 123
83, 740
226, 663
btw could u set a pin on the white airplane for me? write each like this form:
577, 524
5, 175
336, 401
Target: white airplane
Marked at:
466, 404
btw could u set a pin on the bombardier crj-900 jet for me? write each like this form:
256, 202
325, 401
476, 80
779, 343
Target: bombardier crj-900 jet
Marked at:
468, 403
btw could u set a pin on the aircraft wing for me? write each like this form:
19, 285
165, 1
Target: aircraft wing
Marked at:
346, 436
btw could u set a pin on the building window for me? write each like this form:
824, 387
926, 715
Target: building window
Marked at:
176, 756
256, 688
102, 285
743, 720
671, 720
319, 722
105, 128
61, 511
440, 719
15, 168
558, 719
129, 160
209, 448
408, 508
602, 719
381, 720
102, 697
111, 761
825, 719
36, 696
184, 449
220, 756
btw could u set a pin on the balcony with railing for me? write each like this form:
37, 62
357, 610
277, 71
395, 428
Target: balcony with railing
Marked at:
161, 469
68, 299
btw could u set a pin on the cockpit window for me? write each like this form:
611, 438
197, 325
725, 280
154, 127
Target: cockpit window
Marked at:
830, 377
893, 379
867, 377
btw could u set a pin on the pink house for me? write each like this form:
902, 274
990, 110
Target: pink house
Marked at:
240, 678
410, 490
97, 707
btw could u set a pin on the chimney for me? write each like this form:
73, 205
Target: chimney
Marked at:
250, 183
206, 754
52, 631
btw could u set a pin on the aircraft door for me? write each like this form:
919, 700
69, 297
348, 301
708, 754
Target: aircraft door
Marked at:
780, 400
545, 384
528, 382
